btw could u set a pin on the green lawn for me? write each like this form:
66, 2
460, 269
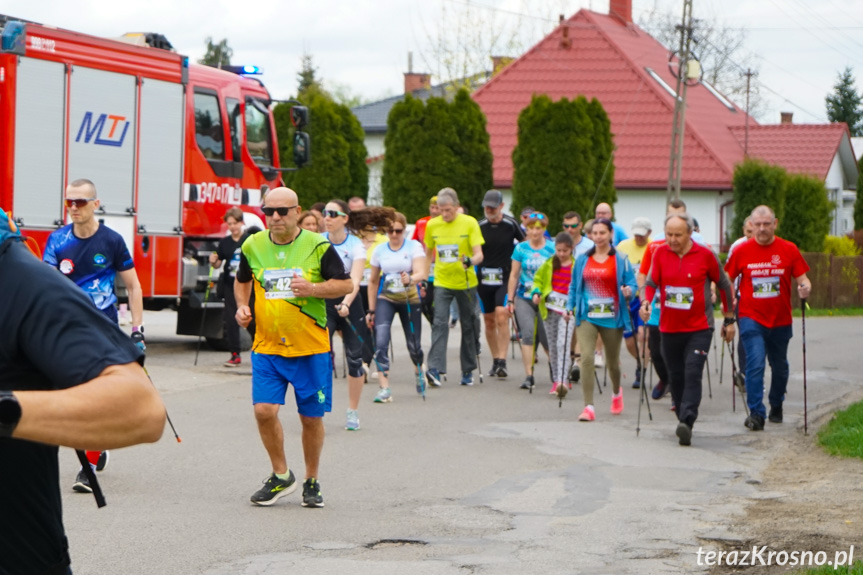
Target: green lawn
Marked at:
855, 569
844, 311
843, 435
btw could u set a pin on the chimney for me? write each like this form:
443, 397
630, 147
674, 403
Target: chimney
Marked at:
621, 9
565, 40
786, 117
413, 80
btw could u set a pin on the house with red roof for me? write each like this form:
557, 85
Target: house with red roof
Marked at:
609, 58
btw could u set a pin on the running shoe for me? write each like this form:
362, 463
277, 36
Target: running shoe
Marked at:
421, 381
775, 415
598, 360
754, 422
312, 494
433, 377
384, 395
274, 489
494, 365
501, 368
103, 461
235, 360
588, 414
637, 383
659, 390
574, 374
353, 420
82, 484
467, 378
527, 383
554, 387
617, 403
684, 434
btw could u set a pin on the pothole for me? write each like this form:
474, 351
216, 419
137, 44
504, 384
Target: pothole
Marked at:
386, 543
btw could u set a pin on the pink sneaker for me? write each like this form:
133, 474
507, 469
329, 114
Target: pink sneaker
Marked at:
553, 388
587, 415
617, 403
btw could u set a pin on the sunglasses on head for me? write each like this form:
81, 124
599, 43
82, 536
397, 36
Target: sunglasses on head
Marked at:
396, 230
78, 202
281, 211
333, 213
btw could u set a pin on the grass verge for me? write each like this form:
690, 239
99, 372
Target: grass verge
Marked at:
855, 569
843, 434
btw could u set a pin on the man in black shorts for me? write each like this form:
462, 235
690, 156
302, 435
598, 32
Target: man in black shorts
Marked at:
68, 376
501, 233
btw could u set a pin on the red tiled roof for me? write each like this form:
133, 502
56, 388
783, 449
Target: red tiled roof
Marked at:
799, 148
607, 61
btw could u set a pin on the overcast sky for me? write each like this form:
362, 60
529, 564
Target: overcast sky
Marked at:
800, 45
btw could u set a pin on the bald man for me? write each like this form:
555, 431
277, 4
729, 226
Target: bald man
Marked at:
292, 271
603, 210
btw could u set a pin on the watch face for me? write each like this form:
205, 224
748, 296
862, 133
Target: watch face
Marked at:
10, 411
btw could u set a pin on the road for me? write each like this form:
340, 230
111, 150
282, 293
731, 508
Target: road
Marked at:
482, 479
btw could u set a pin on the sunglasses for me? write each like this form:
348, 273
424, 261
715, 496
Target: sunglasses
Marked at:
571, 226
333, 213
281, 211
536, 225
395, 231
78, 202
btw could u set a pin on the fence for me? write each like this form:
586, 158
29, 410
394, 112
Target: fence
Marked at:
837, 281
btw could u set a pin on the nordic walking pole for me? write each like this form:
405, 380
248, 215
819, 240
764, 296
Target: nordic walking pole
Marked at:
721, 364
707, 365
533, 355
738, 379
421, 382
362, 341
473, 318
168, 417
643, 392
561, 386
204, 313
805, 405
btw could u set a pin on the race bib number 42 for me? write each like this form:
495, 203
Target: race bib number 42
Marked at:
679, 297
277, 283
766, 287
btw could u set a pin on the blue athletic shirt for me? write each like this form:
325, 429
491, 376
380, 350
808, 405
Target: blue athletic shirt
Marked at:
530, 260
92, 262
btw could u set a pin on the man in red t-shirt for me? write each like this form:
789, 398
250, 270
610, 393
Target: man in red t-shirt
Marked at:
765, 267
681, 272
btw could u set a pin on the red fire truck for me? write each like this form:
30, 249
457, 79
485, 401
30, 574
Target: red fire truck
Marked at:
170, 146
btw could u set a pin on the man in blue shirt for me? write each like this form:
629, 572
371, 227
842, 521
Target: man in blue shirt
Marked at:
603, 210
91, 255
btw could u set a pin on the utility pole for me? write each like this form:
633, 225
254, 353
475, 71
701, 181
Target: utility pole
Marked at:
686, 68
749, 73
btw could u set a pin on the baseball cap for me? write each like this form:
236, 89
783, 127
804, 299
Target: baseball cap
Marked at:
641, 226
493, 199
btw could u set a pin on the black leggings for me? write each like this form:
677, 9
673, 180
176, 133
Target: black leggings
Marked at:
654, 337
354, 339
685, 354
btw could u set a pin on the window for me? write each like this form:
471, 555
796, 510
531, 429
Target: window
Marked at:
258, 132
661, 82
235, 124
208, 126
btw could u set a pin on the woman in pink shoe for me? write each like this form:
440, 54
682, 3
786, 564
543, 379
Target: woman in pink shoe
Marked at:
550, 290
603, 281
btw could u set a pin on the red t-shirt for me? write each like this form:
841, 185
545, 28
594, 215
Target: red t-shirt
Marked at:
765, 286
561, 278
644, 269
420, 230
684, 284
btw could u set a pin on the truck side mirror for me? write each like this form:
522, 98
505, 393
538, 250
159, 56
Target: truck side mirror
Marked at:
299, 117
302, 148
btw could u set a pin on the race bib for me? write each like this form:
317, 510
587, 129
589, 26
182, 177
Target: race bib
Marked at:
277, 283
492, 276
528, 287
431, 270
557, 302
447, 253
367, 275
678, 297
600, 308
765, 287
393, 284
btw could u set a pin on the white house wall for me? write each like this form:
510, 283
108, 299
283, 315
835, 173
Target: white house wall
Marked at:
843, 200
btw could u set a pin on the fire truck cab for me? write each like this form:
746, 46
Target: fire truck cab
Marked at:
170, 146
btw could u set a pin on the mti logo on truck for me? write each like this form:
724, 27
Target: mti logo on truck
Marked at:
89, 129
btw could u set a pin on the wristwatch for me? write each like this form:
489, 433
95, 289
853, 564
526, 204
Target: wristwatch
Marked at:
10, 413
728, 321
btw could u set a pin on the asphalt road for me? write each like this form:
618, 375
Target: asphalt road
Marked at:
482, 479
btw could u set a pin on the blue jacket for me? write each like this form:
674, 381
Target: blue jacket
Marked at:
625, 277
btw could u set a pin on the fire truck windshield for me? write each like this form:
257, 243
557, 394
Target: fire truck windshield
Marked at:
258, 132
